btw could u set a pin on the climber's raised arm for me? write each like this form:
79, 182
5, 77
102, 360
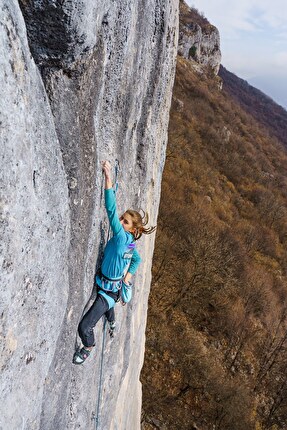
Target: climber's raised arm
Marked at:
110, 201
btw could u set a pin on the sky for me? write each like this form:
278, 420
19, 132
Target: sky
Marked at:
253, 41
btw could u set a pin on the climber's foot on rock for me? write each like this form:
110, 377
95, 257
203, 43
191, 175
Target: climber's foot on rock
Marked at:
81, 355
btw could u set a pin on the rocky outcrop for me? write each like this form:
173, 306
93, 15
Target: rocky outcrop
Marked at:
198, 39
103, 92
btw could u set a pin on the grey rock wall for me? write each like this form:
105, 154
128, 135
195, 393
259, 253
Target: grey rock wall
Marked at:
103, 92
200, 43
35, 229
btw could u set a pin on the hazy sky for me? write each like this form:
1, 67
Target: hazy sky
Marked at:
253, 40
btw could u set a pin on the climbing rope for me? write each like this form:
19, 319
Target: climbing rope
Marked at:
97, 416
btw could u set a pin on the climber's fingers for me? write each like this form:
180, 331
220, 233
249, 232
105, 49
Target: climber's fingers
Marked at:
106, 166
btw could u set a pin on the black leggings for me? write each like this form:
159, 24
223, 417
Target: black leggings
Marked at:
90, 319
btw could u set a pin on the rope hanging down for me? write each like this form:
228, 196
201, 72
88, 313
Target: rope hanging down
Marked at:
97, 415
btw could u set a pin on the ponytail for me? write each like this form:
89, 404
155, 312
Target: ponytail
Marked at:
139, 223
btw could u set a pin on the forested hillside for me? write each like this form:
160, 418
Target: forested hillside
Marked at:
216, 348
272, 116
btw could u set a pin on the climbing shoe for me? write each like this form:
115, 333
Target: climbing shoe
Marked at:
81, 355
112, 326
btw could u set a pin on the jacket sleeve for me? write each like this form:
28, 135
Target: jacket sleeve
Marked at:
135, 261
111, 208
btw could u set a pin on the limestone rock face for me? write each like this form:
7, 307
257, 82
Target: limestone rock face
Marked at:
35, 230
81, 82
199, 41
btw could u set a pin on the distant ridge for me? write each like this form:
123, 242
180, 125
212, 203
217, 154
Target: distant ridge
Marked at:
256, 103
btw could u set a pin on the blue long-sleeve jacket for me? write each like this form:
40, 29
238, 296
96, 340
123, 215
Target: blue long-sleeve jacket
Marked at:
119, 254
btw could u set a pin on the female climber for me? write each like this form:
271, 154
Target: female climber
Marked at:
119, 263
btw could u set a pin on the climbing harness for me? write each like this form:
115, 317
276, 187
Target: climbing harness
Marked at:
116, 287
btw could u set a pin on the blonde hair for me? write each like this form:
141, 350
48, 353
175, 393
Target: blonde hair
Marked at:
139, 223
